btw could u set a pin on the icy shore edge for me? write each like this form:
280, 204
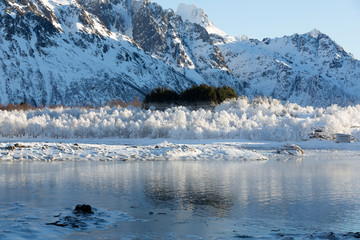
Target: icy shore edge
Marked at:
162, 149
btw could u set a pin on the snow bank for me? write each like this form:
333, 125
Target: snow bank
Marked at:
261, 119
95, 152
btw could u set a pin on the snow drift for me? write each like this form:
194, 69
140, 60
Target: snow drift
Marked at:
260, 119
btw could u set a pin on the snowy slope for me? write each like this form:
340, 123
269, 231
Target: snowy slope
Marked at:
182, 44
80, 52
309, 69
54, 52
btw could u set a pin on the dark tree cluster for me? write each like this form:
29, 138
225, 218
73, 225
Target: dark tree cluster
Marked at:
202, 94
162, 95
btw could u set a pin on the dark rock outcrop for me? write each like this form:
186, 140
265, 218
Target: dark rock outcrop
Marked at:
77, 220
83, 209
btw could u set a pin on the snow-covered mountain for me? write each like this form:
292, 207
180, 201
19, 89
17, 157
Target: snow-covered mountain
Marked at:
79, 52
55, 52
309, 69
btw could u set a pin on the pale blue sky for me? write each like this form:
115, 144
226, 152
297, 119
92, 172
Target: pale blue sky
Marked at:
340, 19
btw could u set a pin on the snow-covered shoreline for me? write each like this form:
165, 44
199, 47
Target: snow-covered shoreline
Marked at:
160, 149
143, 151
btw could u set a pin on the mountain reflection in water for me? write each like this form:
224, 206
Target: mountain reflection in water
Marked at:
306, 195
185, 195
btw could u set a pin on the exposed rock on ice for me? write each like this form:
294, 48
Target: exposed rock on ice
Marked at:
291, 149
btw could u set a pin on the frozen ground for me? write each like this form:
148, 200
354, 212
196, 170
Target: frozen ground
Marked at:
129, 150
160, 149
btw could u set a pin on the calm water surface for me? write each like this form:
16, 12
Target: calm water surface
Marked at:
183, 200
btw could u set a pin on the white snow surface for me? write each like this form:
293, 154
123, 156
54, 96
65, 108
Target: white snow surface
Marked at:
56, 151
192, 13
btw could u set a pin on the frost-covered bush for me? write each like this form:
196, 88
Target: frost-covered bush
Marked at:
261, 119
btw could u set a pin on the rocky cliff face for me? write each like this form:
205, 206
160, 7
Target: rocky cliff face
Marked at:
79, 52
62, 54
161, 33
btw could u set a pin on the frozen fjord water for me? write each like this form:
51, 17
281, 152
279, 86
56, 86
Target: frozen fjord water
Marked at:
184, 199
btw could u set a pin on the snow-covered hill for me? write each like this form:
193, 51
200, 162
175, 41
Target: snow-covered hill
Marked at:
80, 52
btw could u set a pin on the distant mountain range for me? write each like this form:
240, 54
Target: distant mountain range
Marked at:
80, 52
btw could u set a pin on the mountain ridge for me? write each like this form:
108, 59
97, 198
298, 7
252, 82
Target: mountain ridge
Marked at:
78, 52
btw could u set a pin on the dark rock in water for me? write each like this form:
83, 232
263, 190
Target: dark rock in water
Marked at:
329, 236
81, 213
287, 238
69, 221
243, 236
351, 234
83, 209
157, 213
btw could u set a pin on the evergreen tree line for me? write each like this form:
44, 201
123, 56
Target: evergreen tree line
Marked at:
202, 94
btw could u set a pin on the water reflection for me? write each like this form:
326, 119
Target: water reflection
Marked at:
321, 193
190, 199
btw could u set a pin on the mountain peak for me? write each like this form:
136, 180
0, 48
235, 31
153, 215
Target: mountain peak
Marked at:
197, 15
193, 14
315, 33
